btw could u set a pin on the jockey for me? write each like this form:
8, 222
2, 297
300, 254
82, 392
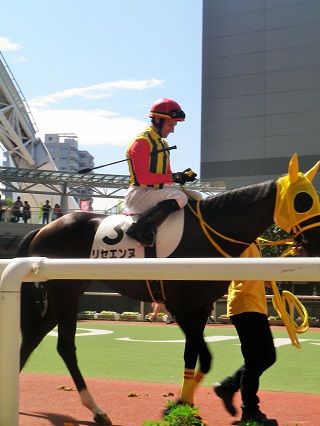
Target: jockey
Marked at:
150, 172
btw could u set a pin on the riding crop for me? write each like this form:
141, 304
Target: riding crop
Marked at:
87, 170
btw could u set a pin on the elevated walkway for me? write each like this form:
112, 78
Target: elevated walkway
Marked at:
65, 183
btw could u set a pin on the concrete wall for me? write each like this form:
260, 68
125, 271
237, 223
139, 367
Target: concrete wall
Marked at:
261, 88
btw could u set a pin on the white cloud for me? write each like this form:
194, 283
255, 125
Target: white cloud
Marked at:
19, 59
93, 127
6, 44
95, 91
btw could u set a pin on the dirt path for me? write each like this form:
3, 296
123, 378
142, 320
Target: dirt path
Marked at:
42, 404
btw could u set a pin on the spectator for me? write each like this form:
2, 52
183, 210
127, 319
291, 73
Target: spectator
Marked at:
57, 212
16, 210
2, 206
156, 309
7, 214
46, 209
26, 212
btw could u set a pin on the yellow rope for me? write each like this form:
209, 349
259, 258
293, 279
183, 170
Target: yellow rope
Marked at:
287, 299
290, 301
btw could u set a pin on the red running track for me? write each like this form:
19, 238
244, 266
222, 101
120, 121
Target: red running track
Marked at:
42, 404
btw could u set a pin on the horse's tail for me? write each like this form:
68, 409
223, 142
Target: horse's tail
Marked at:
31, 295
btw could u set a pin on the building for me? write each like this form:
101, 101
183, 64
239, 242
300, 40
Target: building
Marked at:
64, 151
260, 89
63, 148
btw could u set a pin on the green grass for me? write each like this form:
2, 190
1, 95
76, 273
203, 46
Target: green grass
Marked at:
103, 356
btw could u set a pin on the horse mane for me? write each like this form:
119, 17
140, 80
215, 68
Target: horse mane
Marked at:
237, 197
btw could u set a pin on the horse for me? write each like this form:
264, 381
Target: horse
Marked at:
223, 225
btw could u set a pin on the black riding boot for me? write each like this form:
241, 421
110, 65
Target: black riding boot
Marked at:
144, 229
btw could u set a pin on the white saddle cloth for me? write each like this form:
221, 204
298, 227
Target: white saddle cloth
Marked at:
112, 242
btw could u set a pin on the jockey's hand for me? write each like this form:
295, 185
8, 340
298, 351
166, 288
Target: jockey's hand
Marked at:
191, 174
182, 177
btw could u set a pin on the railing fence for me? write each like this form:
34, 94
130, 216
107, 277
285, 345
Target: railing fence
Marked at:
18, 270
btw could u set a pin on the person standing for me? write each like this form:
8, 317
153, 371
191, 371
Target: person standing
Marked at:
46, 209
157, 306
2, 205
150, 171
7, 214
26, 212
247, 310
16, 209
57, 212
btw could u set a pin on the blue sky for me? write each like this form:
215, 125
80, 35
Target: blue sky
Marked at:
95, 67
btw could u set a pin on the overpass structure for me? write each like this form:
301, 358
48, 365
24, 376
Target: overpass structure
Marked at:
62, 183
18, 137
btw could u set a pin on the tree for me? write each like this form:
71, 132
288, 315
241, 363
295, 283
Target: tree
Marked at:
274, 233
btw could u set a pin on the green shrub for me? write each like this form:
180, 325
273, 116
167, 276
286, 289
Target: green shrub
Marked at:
179, 415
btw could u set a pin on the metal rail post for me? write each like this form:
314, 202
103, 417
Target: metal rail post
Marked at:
12, 277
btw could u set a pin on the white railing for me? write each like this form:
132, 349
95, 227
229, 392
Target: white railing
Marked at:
15, 271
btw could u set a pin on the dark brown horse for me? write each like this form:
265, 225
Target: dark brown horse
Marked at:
234, 219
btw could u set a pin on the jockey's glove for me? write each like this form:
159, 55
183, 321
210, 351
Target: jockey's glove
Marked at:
187, 175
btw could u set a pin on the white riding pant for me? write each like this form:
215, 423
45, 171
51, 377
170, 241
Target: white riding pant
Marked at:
138, 200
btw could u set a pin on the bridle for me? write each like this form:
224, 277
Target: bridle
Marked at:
299, 228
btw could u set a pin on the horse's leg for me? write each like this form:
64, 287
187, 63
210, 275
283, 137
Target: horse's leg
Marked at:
67, 323
193, 326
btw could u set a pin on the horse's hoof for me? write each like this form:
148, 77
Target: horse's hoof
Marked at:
102, 419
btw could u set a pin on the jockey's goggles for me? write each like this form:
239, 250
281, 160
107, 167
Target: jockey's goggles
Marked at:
176, 113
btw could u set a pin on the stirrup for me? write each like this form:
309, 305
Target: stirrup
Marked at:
136, 232
148, 239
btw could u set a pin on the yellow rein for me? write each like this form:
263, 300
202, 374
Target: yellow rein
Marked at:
280, 302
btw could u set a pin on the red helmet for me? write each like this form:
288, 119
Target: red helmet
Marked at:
167, 108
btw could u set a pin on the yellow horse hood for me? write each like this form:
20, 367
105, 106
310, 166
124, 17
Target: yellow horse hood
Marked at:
292, 189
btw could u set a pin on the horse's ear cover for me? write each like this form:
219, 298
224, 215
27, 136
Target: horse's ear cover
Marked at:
288, 187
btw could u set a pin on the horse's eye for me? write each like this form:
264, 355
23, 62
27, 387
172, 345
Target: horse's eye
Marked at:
303, 202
